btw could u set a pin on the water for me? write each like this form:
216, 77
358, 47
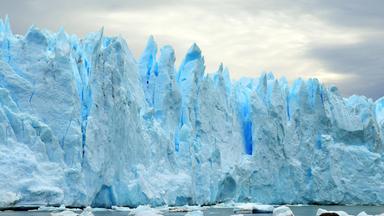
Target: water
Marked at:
297, 210
352, 210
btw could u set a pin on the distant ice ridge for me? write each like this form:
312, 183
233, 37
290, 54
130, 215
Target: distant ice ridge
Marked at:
83, 123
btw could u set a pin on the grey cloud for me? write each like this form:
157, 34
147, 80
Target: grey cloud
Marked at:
364, 61
349, 13
52, 14
352, 13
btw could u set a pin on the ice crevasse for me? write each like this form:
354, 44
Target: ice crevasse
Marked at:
84, 123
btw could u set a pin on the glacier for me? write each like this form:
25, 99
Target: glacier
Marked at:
82, 122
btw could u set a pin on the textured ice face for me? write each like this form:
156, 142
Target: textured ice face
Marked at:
82, 123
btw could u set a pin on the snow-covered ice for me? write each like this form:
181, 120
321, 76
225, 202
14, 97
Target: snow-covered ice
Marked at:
282, 211
84, 123
186, 208
51, 208
365, 214
64, 213
249, 208
8, 199
87, 212
323, 212
145, 211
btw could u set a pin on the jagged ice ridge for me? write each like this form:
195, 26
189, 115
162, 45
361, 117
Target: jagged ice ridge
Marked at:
83, 123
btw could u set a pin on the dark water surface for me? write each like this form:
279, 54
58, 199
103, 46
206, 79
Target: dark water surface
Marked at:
297, 210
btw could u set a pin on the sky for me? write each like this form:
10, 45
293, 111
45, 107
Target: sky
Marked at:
339, 42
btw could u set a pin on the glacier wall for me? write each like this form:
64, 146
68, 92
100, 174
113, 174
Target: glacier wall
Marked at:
83, 123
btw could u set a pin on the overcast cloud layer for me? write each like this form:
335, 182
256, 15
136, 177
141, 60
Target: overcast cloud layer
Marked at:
339, 42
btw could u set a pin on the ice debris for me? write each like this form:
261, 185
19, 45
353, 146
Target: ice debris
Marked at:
252, 208
282, 211
145, 211
323, 212
86, 212
365, 214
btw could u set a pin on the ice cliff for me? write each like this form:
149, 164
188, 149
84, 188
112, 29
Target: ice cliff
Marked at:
83, 123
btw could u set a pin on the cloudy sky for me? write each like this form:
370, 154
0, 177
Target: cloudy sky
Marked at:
340, 42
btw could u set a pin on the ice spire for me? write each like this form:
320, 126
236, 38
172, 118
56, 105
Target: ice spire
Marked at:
218, 76
380, 111
148, 69
221, 78
148, 58
1, 26
194, 53
191, 72
7, 26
